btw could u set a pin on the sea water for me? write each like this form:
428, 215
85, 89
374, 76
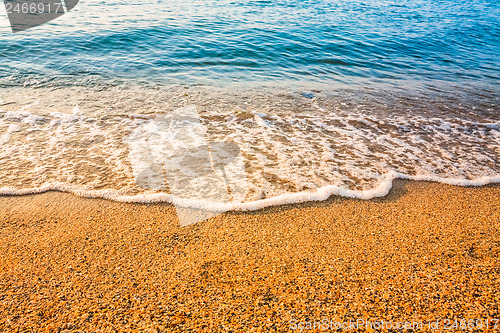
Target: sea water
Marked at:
321, 97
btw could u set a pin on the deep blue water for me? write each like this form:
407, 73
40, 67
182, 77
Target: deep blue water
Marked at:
429, 44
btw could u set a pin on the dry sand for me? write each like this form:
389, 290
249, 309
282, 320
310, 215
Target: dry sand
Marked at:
425, 252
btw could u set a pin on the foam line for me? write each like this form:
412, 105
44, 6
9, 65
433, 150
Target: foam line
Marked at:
320, 194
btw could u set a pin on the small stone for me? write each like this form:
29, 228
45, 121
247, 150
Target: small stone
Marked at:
309, 95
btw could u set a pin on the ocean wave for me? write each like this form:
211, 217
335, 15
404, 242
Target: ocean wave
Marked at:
280, 156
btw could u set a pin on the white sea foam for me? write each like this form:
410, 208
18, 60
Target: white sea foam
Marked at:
284, 157
320, 194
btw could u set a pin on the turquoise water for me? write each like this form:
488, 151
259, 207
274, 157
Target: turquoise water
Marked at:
438, 45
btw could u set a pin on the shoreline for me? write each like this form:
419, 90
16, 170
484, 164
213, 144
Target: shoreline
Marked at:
321, 194
107, 143
426, 251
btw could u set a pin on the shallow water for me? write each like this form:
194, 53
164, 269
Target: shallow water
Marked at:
320, 97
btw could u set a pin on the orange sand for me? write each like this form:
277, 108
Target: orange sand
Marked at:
426, 251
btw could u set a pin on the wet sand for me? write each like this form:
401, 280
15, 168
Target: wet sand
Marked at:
425, 252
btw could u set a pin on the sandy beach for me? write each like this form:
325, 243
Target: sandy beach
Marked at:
425, 252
